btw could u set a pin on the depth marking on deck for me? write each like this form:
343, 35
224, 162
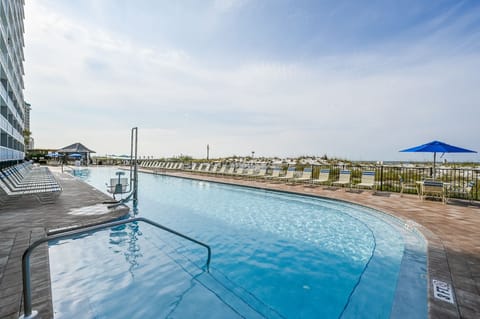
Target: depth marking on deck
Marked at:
442, 291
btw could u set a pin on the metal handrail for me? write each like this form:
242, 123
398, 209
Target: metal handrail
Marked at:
65, 233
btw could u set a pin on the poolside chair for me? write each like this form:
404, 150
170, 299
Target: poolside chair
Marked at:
249, 172
275, 174
305, 177
368, 180
230, 171
469, 190
200, 168
290, 175
462, 190
434, 189
222, 170
213, 169
343, 179
323, 177
262, 172
239, 172
409, 187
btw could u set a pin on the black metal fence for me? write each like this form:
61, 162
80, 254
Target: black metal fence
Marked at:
463, 182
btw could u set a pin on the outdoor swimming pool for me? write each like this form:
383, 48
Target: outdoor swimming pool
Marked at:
274, 255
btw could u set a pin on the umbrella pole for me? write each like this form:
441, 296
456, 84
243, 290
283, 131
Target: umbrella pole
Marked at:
434, 158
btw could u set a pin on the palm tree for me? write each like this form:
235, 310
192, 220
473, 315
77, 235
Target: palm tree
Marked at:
26, 138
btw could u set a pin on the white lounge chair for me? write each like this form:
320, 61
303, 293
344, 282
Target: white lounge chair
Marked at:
404, 186
343, 179
239, 172
230, 171
465, 191
275, 174
323, 177
290, 175
222, 170
250, 172
214, 169
368, 180
262, 172
305, 177
204, 168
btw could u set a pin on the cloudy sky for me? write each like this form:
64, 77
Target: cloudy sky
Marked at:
352, 79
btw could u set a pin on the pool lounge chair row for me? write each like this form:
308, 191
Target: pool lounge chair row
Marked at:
27, 180
291, 176
345, 180
277, 175
324, 178
161, 165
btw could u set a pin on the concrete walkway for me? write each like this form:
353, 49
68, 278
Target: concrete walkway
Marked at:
24, 220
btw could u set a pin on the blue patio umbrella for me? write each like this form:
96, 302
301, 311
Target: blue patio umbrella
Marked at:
437, 147
54, 154
75, 155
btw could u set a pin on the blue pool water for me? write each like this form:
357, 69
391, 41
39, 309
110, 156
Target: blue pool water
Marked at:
274, 255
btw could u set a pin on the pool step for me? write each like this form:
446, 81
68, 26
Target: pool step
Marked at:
214, 281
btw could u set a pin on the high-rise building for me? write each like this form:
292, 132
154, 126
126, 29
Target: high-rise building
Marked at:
12, 113
27, 108
29, 142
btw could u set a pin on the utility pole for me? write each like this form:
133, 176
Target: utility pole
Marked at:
208, 151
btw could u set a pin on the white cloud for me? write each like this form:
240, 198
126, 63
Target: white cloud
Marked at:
93, 86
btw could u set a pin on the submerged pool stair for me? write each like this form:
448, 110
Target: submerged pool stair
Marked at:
242, 304
75, 231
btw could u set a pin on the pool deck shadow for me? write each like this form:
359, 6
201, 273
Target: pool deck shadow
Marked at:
25, 220
452, 231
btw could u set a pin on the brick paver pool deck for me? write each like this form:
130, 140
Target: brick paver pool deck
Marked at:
453, 232
25, 220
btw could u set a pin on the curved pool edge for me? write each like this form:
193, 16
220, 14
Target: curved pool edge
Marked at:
437, 263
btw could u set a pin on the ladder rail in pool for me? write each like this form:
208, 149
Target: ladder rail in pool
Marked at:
69, 232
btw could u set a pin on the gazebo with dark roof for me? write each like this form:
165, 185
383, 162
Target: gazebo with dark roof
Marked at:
76, 148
